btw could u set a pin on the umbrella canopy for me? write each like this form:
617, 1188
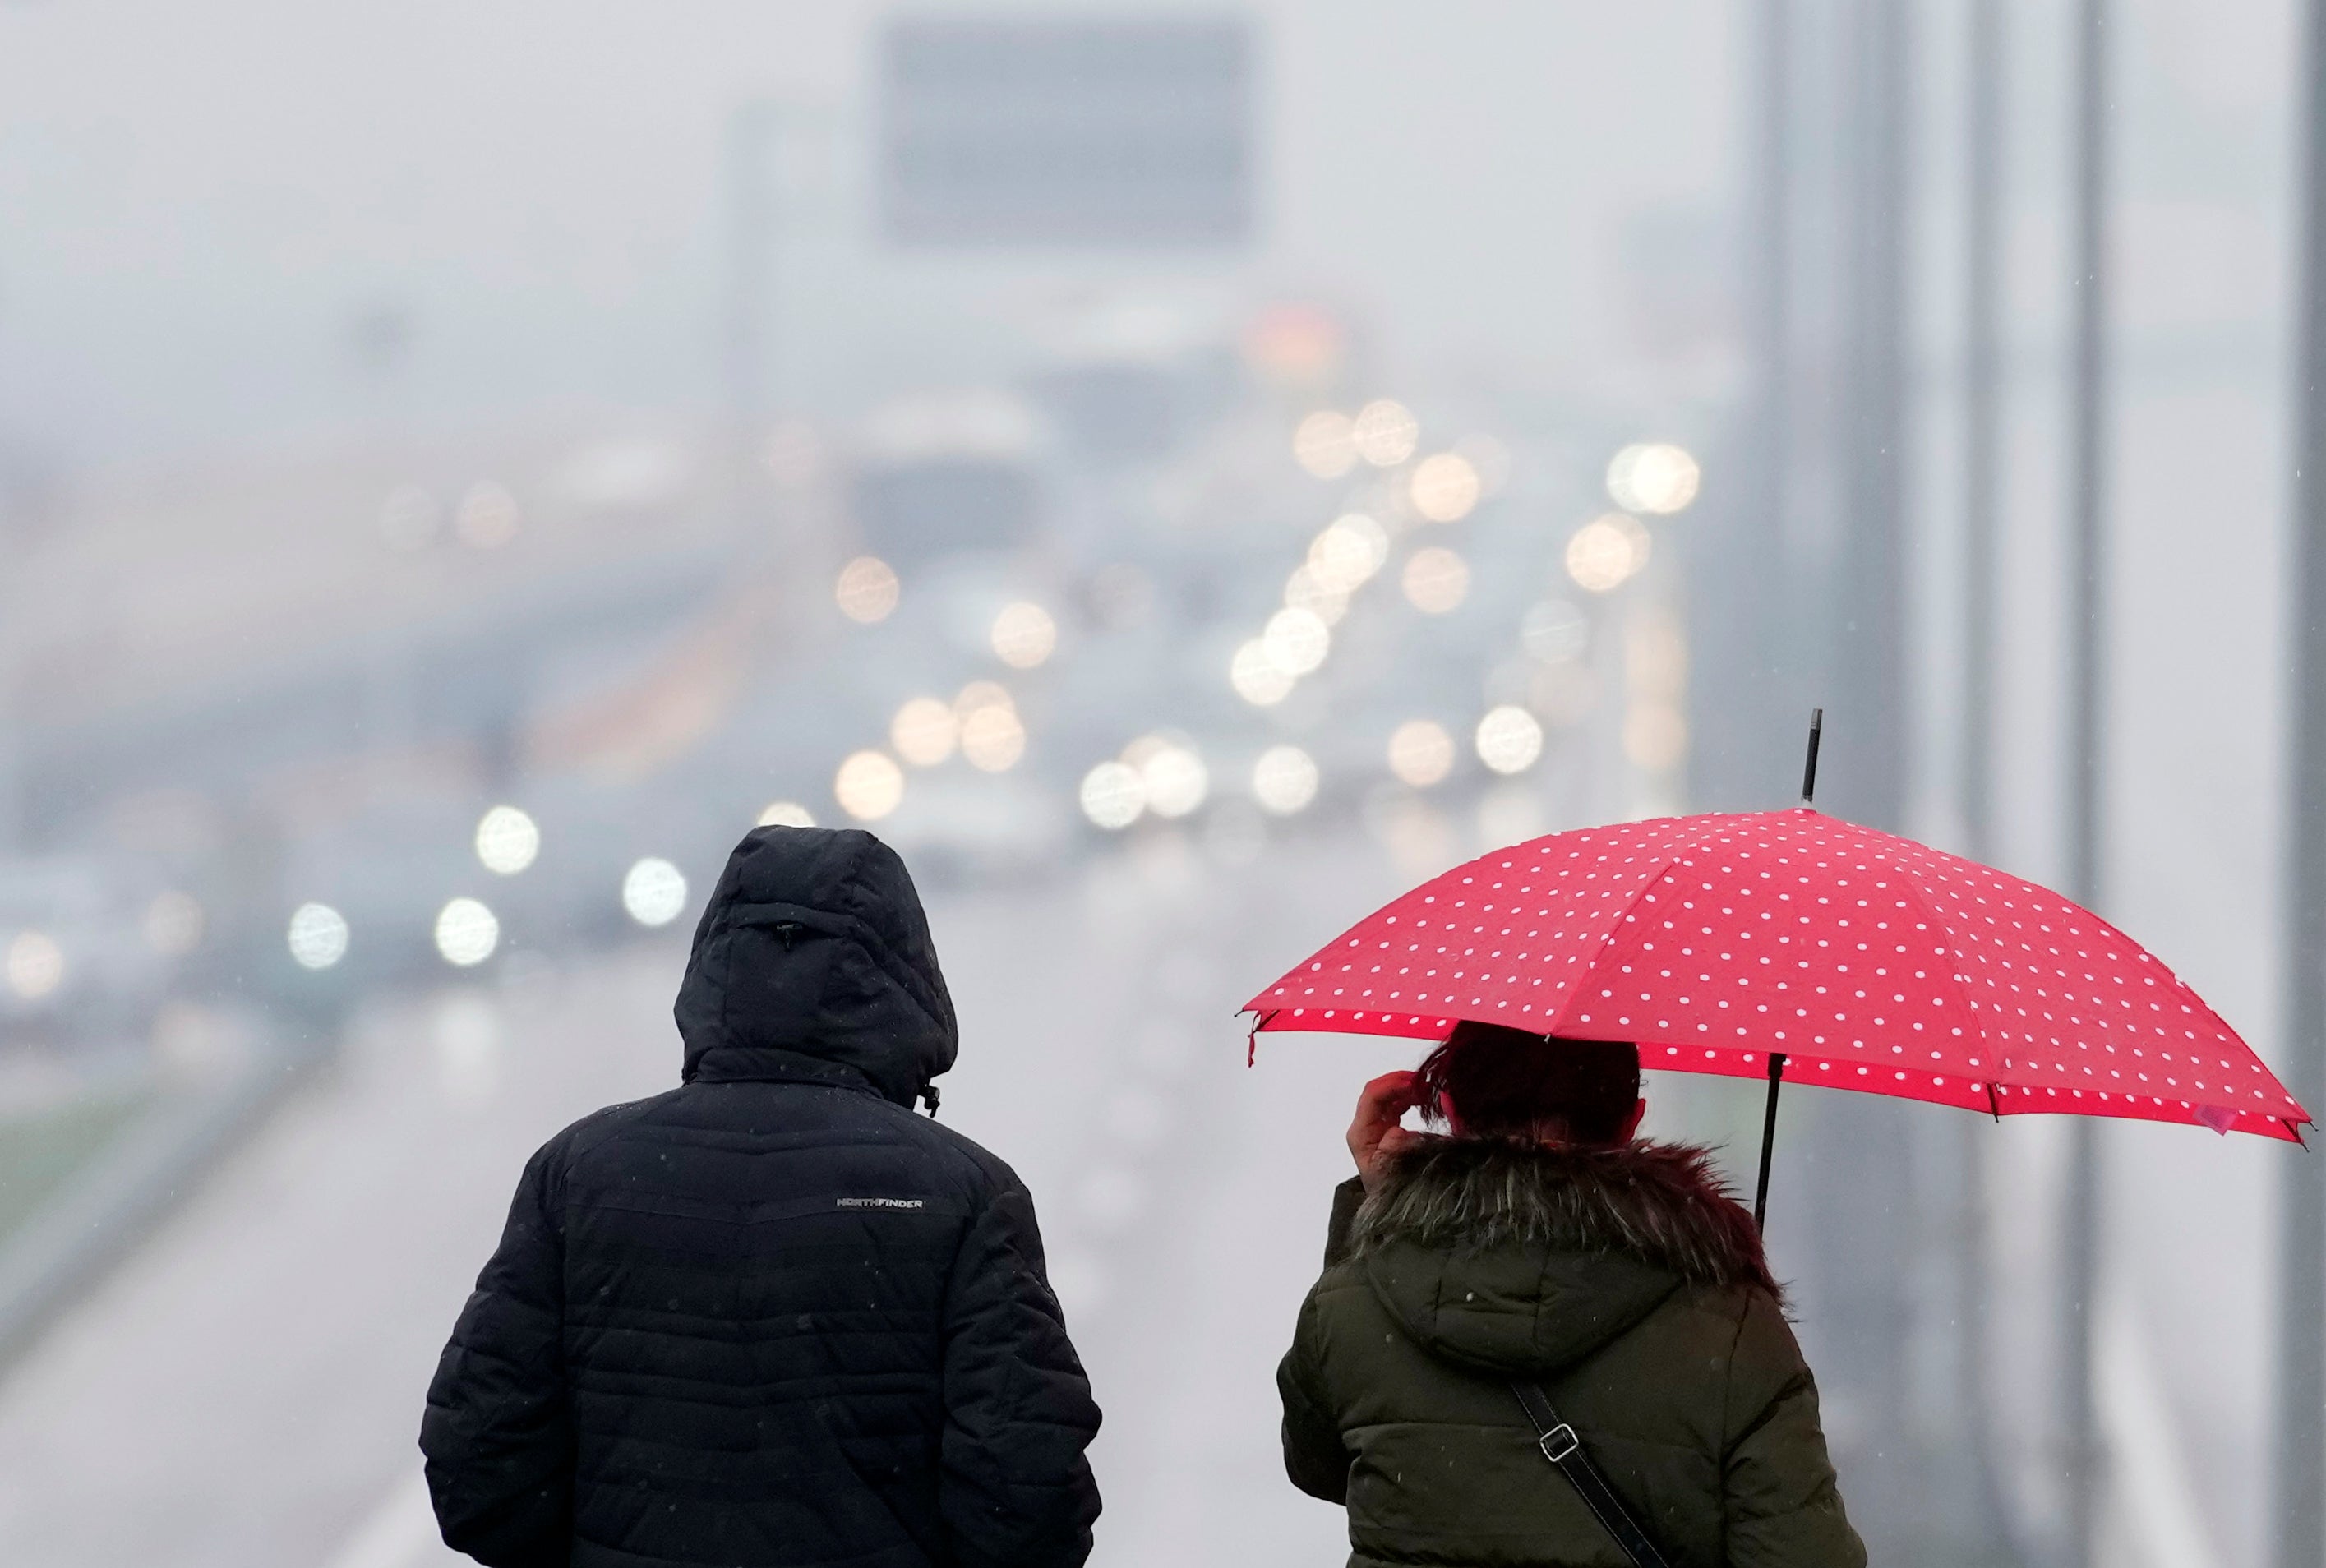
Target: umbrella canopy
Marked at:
1865, 960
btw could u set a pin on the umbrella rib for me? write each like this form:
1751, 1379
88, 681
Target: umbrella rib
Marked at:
1688, 842
1956, 953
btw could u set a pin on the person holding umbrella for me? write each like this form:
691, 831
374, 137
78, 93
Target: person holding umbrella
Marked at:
1537, 1261
1536, 1264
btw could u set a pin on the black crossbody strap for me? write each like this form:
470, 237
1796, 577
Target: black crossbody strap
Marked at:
1563, 1447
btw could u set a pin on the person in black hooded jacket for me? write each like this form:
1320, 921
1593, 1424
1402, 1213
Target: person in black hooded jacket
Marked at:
773, 1317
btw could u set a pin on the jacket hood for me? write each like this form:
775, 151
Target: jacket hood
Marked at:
1522, 1259
812, 960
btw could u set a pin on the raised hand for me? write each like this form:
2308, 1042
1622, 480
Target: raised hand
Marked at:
1374, 1135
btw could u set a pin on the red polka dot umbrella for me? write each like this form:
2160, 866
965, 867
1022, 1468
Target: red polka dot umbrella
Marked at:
1798, 947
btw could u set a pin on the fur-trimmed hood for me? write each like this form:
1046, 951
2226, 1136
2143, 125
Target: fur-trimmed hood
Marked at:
1520, 1257
1660, 1204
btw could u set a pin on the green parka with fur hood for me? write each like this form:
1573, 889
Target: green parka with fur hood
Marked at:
1631, 1287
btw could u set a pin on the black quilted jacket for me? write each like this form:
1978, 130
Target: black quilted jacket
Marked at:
773, 1317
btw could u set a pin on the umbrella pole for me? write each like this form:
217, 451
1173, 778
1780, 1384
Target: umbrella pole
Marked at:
1768, 1139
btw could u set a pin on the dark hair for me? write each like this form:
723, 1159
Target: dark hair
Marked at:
1507, 1082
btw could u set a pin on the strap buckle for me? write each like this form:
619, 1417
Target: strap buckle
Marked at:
1559, 1442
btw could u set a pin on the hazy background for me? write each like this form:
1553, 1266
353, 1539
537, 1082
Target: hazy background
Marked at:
614, 413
